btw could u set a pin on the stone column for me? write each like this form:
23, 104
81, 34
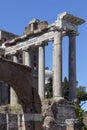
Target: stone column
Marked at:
57, 65
41, 72
26, 58
13, 96
15, 58
72, 66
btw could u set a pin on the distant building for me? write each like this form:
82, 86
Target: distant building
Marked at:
5, 36
48, 75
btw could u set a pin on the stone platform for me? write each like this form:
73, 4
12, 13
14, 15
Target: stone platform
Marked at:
13, 118
57, 114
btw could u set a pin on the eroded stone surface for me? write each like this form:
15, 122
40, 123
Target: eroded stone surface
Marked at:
50, 123
56, 114
20, 78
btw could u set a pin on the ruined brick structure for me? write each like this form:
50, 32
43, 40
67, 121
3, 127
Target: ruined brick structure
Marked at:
16, 76
4, 88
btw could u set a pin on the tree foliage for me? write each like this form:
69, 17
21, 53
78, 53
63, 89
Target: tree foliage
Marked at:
65, 88
81, 94
48, 88
81, 90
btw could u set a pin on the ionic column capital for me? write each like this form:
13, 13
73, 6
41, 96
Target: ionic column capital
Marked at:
14, 53
38, 44
58, 31
57, 28
58, 38
72, 33
26, 49
43, 43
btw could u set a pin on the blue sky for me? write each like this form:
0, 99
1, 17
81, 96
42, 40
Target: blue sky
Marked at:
15, 15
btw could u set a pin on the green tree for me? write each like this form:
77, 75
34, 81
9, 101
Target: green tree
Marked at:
81, 98
65, 88
65, 85
48, 88
81, 94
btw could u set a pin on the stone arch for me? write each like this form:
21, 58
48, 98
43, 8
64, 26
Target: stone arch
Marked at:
20, 78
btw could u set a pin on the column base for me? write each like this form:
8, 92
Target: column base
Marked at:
57, 99
73, 100
57, 112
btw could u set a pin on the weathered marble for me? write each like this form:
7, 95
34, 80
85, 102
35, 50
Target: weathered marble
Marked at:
41, 72
13, 95
72, 66
57, 65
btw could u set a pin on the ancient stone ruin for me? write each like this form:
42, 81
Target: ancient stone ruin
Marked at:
22, 75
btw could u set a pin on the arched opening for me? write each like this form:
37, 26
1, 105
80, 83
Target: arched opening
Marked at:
20, 78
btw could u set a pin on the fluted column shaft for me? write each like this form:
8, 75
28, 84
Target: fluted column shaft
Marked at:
72, 67
57, 64
13, 95
41, 72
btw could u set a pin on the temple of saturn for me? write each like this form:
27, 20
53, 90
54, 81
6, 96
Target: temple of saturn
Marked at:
22, 67
29, 49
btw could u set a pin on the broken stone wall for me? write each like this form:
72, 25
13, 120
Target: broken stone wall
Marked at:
18, 122
56, 114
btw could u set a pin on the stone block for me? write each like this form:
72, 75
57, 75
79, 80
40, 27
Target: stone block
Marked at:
38, 125
62, 110
3, 122
50, 124
73, 124
57, 112
12, 122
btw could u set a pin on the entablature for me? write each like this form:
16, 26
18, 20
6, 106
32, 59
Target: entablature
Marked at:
68, 22
65, 23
